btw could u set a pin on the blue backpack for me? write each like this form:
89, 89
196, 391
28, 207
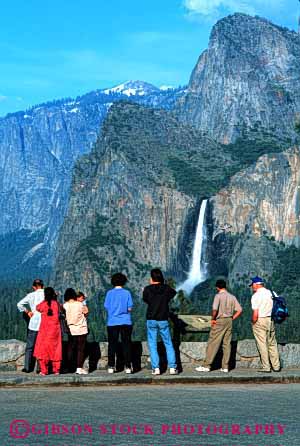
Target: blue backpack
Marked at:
280, 310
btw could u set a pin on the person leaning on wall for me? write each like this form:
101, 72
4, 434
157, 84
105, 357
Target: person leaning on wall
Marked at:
28, 305
226, 308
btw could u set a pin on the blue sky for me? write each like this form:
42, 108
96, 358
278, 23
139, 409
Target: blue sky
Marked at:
64, 48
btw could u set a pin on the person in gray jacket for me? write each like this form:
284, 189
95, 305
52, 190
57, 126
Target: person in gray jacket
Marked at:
225, 309
28, 306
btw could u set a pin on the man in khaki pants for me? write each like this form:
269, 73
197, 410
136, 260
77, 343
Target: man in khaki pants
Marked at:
263, 326
225, 309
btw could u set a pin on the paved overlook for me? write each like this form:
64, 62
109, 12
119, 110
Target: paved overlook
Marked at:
165, 415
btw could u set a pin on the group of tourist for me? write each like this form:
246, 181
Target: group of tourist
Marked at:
226, 309
46, 317
48, 320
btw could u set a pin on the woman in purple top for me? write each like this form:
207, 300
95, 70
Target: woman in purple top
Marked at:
118, 304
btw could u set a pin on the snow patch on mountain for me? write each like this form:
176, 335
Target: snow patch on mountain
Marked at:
32, 252
132, 88
166, 87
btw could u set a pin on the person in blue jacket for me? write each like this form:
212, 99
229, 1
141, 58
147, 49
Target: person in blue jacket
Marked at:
118, 304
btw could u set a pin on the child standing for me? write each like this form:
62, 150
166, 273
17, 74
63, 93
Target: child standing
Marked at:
81, 298
118, 304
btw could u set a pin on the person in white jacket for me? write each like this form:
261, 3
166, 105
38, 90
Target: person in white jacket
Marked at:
28, 306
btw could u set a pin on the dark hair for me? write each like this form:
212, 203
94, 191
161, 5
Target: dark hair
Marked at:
70, 293
80, 294
118, 279
157, 275
220, 283
38, 283
50, 295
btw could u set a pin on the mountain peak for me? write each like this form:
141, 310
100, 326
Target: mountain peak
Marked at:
245, 23
247, 79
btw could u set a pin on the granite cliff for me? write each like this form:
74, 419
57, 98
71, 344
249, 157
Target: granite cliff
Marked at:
38, 149
135, 199
254, 230
247, 79
259, 210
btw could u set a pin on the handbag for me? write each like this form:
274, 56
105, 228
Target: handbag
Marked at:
63, 321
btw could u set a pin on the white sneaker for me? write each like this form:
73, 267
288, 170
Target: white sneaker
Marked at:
110, 370
128, 371
81, 372
202, 369
173, 371
156, 371
224, 370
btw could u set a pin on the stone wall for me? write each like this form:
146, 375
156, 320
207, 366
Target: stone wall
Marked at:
11, 355
244, 354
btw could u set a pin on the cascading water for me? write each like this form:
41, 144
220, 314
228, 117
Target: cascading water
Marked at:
197, 273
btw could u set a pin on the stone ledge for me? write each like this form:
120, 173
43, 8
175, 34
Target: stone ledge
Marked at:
12, 354
101, 378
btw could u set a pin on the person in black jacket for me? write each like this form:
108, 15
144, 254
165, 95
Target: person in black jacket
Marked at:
157, 296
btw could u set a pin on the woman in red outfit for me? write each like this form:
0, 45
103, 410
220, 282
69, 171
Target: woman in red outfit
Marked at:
48, 347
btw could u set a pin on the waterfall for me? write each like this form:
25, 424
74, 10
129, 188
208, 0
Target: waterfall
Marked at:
197, 273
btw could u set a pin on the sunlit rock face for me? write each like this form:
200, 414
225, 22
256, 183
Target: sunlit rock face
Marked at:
259, 209
249, 77
263, 199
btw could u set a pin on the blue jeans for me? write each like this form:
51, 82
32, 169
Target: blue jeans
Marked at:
161, 327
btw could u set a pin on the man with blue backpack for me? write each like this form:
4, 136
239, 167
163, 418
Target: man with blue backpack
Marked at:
263, 326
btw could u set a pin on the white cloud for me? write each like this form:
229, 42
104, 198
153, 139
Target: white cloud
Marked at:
211, 7
214, 8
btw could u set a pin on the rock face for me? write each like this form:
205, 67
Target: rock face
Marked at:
11, 355
260, 205
248, 78
263, 199
38, 149
130, 208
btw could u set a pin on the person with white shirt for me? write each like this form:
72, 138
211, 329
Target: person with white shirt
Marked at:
28, 305
263, 326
